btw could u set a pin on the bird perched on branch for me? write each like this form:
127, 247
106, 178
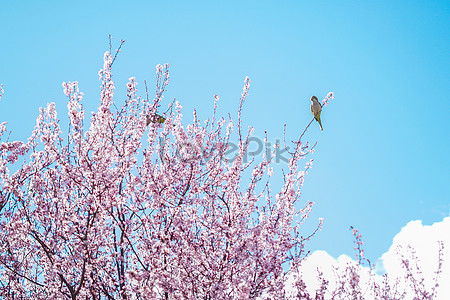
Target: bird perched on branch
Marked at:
316, 109
155, 118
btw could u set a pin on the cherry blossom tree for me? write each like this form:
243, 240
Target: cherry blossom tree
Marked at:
136, 205
124, 208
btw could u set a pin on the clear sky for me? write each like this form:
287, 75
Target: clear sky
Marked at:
383, 157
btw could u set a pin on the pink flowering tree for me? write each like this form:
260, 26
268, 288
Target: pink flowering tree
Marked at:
136, 205
122, 208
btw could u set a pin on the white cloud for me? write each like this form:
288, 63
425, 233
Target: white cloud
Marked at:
424, 240
421, 238
333, 270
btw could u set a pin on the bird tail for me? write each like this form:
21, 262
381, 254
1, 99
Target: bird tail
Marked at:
320, 124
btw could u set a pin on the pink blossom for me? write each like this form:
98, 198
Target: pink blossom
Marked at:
2, 91
327, 99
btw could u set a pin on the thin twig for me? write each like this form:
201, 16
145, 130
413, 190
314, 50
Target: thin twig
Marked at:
117, 51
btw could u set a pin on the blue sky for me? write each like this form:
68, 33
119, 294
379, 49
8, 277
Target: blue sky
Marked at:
383, 158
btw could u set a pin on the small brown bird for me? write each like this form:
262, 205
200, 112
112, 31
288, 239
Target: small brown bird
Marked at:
316, 109
155, 118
